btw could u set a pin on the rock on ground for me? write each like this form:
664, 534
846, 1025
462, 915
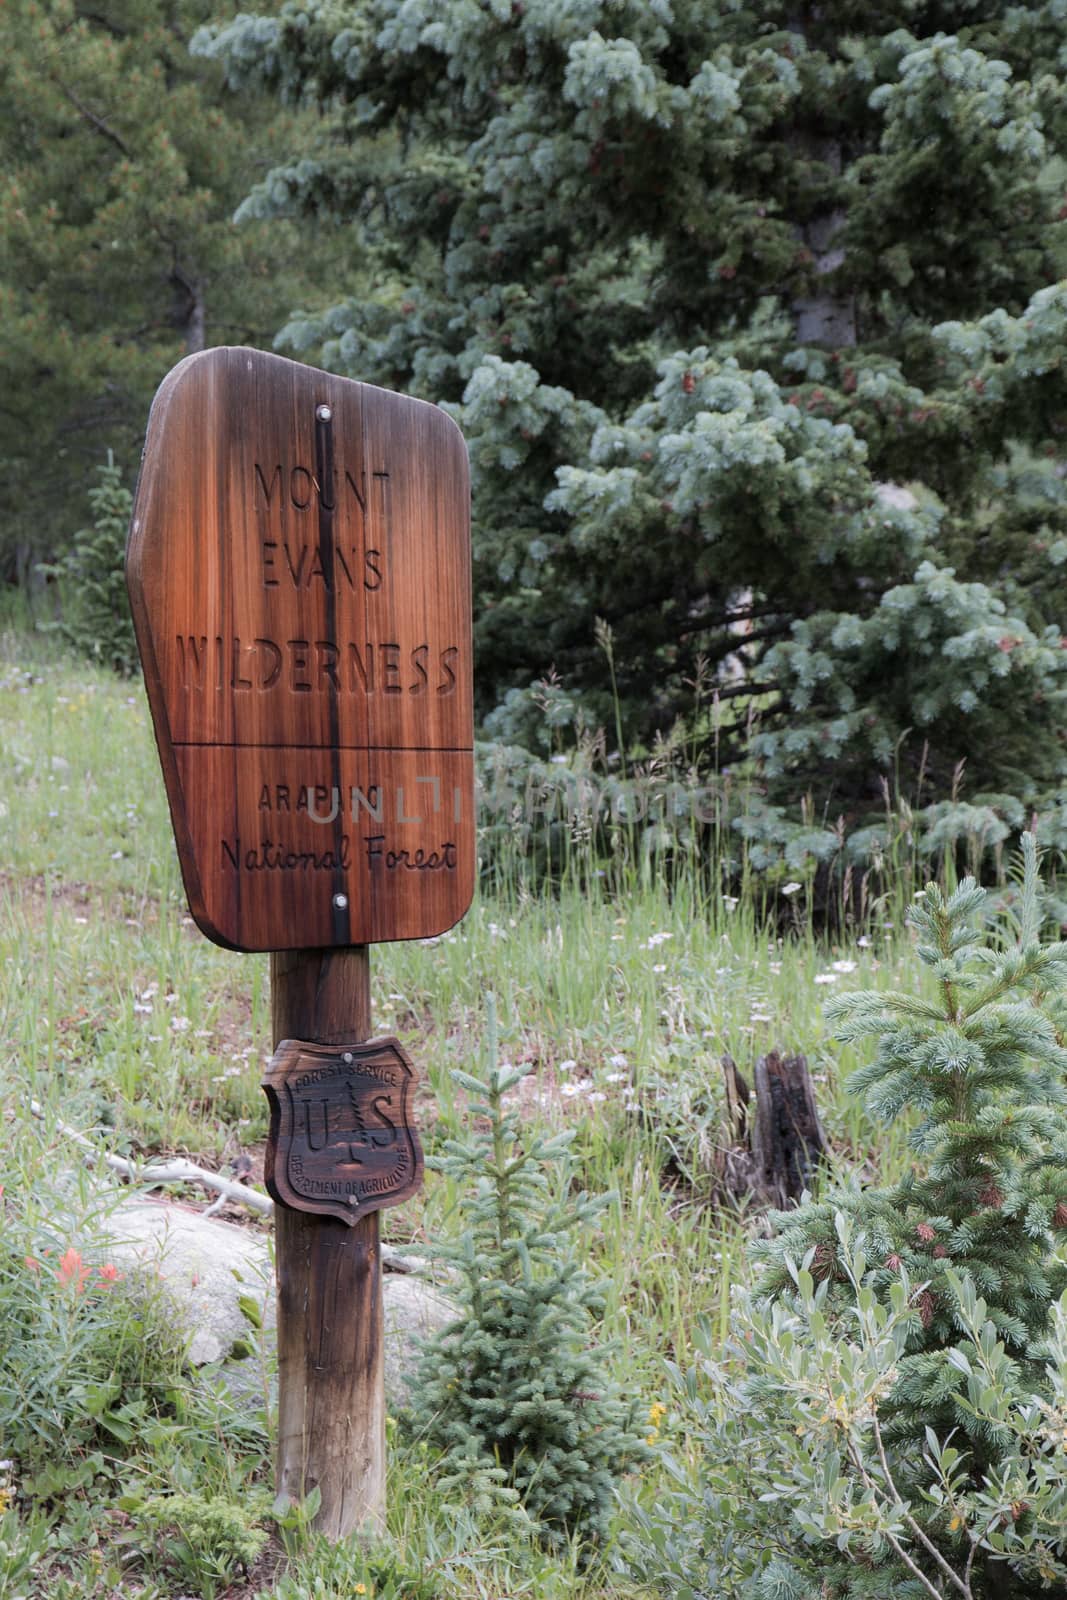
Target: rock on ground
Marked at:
204, 1267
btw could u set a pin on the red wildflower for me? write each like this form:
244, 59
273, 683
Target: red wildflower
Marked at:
109, 1273
72, 1270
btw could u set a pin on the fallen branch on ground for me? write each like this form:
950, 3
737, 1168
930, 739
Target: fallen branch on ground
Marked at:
157, 1172
154, 1173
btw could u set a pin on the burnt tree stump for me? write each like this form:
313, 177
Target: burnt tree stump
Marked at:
777, 1139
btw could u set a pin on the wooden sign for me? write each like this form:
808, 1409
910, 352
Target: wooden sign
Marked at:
342, 1136
299, 574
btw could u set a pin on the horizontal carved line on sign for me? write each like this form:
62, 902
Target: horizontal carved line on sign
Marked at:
258, 744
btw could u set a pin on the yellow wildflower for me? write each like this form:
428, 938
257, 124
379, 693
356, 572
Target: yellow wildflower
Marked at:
656, 1412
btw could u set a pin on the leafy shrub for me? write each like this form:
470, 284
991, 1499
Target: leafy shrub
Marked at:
204, 1539
22, 1546
85, 1357
516, 1392
891, 1412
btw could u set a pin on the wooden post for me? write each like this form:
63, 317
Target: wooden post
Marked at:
300, 582
331, 1383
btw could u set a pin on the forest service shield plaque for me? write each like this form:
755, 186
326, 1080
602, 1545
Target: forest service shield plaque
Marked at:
343, 1140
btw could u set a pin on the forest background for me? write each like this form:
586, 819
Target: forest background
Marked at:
752, 318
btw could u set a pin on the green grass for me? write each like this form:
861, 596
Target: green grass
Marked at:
115, 1012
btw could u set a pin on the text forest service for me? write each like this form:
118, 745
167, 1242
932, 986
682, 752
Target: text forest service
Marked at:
299, 571
343, 1141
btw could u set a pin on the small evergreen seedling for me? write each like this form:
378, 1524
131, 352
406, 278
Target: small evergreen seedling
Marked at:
515, 1391
983, 1067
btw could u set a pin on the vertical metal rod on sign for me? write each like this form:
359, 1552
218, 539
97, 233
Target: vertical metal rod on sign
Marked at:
331, 1376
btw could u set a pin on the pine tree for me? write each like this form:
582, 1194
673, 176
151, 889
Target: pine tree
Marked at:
518, 1392
980, 1067
123, 161
751, 317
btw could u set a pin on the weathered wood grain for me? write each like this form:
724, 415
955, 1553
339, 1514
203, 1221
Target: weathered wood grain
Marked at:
331, 1386
299, 574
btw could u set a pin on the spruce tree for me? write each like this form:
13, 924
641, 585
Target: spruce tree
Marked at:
751, 315
518, 1392
979, 1068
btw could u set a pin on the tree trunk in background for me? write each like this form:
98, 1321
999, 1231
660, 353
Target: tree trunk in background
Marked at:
189, 310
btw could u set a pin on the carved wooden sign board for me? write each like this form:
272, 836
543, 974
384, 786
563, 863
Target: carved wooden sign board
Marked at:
342, 1136
299, 574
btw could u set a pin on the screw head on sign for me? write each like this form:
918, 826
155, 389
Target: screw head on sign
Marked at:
340, 901
324, 413
348, 1058
351, 1199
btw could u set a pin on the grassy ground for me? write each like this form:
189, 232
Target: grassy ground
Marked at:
116, 1013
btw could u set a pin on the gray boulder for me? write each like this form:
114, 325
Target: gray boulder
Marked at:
414, 1310
204, 1267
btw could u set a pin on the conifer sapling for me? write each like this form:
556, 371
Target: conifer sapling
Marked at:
516, 1391
983, 1067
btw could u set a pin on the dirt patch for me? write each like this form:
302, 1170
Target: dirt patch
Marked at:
262, 1575
89, 900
